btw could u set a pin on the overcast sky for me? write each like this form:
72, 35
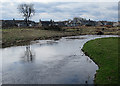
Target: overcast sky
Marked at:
61, 10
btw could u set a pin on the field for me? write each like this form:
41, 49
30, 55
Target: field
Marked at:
104, 52
21, 36
94, 30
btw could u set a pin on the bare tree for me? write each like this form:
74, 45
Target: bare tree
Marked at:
27, 10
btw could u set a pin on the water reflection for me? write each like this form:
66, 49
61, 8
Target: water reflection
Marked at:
48, 42
76, 38
55, 62
29, 56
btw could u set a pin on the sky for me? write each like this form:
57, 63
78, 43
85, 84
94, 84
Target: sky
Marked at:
61, 10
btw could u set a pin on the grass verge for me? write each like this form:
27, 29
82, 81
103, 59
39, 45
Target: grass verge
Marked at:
104, 52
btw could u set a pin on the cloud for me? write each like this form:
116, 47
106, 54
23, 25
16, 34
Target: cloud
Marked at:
46, 1
64, 10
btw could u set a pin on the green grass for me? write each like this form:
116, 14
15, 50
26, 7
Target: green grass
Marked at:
104, 52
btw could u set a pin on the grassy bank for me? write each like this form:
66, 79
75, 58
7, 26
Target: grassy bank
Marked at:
104, 52
94, 30
21, 36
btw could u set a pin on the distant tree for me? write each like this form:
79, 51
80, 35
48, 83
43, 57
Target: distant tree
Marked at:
27, 10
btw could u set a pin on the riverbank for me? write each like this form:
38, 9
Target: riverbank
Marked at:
104, 52
23, 36
62, 60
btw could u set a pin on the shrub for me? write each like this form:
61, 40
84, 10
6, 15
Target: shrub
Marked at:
100, 33
56, 28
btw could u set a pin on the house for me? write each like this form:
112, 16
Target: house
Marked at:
16, 23
119, 23
115, 24
107, 23
0, 24
66, 22
59, 23
22, 23
75, 22
51, 23
104, 22
7, 23
45, 23
31, 23
78, 21
90, 23
99, 23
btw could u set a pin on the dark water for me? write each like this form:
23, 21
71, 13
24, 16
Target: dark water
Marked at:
49, 62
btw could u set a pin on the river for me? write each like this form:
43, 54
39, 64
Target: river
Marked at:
49, 62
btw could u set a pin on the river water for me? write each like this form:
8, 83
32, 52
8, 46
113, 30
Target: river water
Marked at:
49, 62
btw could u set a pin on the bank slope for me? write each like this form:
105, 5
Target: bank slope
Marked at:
104, 52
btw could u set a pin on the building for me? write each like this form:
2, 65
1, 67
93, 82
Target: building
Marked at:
115, 24
16, 23
60, 23
78, 21
99, 23
106, 23
51, 23
45, 23
7, 23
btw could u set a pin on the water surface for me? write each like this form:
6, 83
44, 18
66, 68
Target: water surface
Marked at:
49, 62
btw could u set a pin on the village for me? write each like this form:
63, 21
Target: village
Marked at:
76, 21
65, 43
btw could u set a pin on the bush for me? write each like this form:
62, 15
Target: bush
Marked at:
100, 33
88, 25
56, 28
